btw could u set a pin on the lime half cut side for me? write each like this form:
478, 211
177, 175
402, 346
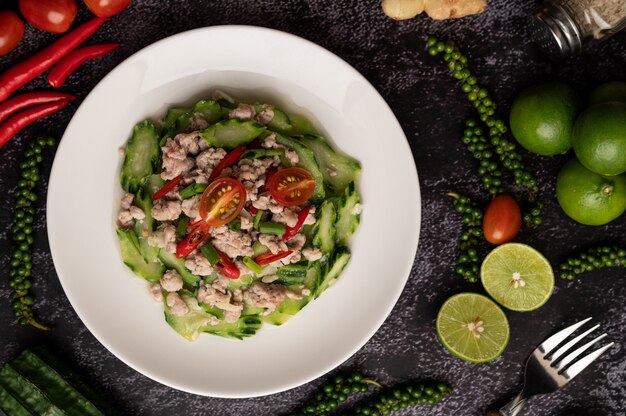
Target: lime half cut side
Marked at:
517, 276
473, 327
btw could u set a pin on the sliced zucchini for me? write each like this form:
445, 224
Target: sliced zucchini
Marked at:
324, 229
172, 262
53, 385
244, 327
168, 123
348, 215
142, 156
189, 325
292, 274
144, 228
210, 110
287, 309
280, 122
151, 184
231, 133
132, 257
314, 276
306, 160
333, 268
338, 170
301, 125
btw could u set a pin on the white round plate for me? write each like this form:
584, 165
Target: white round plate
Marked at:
249, 62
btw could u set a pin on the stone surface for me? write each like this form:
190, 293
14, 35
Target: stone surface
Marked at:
431, 109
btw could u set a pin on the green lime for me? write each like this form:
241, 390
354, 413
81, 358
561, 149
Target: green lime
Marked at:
517, 276
599, 138
610, 91
473, 327
589, 198
542, 117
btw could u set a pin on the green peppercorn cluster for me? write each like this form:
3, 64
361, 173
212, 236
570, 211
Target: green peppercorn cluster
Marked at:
22, 233
591, 259
489, 169
492, 139
468, 262
333, 393
393, 400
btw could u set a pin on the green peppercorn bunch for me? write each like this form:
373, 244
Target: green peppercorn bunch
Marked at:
22, 233
401, 397
489, 169
591, 259
333, 393
495, 141
468, 262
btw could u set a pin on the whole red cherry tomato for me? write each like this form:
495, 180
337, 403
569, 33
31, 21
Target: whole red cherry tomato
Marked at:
502, 220
106, 8
54, 16
11, 31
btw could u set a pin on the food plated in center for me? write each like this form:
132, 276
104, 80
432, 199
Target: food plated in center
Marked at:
236, 213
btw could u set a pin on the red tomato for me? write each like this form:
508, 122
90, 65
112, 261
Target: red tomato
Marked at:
222, 201
54, 16
292, 186
11, 31
106, 8
502, 220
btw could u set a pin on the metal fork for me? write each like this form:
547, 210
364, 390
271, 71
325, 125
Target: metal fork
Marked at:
550, 367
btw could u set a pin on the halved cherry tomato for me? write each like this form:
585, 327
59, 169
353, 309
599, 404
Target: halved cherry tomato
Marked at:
222, 201
106, 8
267, 258
192, 240
502, 220
11, 31
292, 186
54, 16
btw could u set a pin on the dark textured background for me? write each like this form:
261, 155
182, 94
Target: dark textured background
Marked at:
431, 110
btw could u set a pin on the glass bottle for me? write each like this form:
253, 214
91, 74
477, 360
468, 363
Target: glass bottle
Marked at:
565, 27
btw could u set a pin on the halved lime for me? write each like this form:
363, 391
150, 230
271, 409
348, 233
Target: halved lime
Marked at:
473, 327
517, 276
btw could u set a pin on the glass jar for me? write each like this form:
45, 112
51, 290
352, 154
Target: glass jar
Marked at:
565, 27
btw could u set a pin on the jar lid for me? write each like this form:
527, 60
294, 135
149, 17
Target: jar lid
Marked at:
555, 32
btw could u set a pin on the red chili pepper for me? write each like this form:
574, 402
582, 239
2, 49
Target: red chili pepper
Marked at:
252, 209
228, 160
291, 231
67, 65
268, 258
18, 75
167, 188
227, 267
192, 240
270, 172
30, 99
20, 120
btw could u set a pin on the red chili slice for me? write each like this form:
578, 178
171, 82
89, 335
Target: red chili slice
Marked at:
268, 258
291, 231
167, 188
226, 266
228, 160
192, 240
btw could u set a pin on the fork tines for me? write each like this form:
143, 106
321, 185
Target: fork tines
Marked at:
569, 364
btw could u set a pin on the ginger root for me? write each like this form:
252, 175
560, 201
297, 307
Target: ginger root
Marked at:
436, 9
402, 9
449, 9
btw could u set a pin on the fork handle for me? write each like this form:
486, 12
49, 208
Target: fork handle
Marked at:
513, 407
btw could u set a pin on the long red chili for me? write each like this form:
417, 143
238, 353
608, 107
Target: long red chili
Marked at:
20, 120
29, 99
291, 231
227, 267
74, 59
192, 240
167, 188
18, 75
268, 258
228, 160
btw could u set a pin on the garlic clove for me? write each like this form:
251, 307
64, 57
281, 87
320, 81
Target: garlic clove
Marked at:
402, 9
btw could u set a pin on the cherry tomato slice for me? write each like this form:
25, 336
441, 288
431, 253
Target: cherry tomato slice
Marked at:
54, 16
291, 186
11, 31
502, 220
222, 201
106, 8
